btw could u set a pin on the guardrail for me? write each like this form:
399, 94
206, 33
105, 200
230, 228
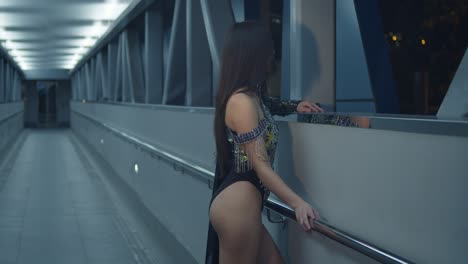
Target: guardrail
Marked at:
8, 118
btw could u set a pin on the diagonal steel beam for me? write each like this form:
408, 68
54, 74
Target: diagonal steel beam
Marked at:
199, 65
218, 17
175, 75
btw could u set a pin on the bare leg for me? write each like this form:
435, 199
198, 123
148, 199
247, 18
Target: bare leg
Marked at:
268, 252
236, 216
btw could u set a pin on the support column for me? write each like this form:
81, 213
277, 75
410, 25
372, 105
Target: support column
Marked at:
7, 83
111, 71
119, 71
134, 70
175, 75
218, 17
2, 80
154, 56
199, 66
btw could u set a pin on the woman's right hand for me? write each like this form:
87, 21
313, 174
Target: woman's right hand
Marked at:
305, 215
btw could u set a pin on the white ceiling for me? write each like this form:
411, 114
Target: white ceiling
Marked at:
54, 34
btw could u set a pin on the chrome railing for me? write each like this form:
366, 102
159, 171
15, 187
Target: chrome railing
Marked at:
329, 231
8, 118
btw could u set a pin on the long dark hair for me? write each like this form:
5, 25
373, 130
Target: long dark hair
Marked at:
245, 64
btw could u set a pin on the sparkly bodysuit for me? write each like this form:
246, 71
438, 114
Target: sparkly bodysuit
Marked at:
265, 136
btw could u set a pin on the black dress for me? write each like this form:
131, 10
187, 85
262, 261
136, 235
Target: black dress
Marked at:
239, 167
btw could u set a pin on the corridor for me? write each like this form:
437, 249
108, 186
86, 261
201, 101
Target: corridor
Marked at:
112, 142
55, 209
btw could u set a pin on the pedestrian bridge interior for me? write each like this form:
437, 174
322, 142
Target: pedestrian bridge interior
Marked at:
107, 152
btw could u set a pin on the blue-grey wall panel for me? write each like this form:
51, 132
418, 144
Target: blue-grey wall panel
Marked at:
11, 124
389, 188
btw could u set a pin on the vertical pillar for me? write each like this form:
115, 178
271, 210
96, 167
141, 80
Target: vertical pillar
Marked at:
154, 56
199, 67
218, 17
2, 80
175, 75
312, 50
7, 82
135, 67
111, 70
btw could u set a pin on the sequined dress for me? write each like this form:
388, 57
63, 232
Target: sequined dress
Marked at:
240, 167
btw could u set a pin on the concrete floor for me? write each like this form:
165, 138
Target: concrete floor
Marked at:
55, 209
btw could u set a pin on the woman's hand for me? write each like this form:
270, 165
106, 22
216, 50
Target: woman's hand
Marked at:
308, 107
305, 215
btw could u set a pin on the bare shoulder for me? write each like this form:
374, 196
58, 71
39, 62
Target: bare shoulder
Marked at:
239, 101
241, 112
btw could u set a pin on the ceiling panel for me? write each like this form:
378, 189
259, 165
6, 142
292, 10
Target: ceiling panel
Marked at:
53, 33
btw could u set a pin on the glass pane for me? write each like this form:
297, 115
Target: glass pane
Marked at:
426, 42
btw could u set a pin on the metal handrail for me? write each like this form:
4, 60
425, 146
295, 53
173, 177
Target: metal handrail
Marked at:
8, 118
329, 231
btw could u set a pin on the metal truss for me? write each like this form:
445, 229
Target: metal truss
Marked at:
156, 63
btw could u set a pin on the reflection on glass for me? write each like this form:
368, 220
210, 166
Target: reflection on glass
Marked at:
336, 120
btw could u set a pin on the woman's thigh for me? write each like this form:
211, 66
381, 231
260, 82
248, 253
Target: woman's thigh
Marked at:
268, 251
235, 214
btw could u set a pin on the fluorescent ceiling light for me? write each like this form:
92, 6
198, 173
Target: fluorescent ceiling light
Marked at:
25, 66
114, 9
98, 29
2, 33
8, 44
82, 50
88, 42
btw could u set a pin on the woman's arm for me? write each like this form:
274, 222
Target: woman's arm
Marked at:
287, 107
281, 108
242, 117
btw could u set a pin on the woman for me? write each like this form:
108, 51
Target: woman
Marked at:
246, 137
